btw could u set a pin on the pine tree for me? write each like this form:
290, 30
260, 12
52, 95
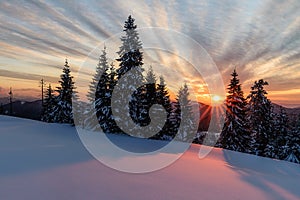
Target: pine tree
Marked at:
63, 109
281, 129
97, 93
101, 68
184, 115
48, 106
129, 75
130, 41
130, 55
103, 100
112, 81
142, 100
235, 134
292, 148
170, 128
149, 93
260, 116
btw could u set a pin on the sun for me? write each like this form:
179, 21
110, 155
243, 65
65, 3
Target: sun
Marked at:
216, 99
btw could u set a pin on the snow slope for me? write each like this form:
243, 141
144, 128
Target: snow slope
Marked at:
48, 161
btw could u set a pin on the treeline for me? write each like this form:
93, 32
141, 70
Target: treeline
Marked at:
136, 94
135, 97
250, 125
58, 108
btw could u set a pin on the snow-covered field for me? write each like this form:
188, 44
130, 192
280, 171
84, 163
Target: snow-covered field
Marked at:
48, 161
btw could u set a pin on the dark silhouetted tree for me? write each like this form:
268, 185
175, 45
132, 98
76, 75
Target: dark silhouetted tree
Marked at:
63, 109
101, 68
97, 94
235, 134
48, 106
281, 129
184, 116
129, 75
260, 116
292, 148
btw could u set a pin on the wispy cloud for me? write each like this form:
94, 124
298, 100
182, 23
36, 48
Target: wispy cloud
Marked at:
28, 76
260, 38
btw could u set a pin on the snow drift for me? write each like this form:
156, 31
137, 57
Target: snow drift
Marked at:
48, 161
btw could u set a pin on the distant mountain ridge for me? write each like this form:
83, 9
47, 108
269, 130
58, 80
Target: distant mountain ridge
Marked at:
291, 112
24, 109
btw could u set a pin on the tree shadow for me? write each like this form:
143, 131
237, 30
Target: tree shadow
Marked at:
27, 146
278, 179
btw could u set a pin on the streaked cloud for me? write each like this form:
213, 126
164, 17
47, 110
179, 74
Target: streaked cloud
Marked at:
260, 38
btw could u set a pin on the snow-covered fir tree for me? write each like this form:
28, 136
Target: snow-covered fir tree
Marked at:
112, 81
130, 72
48, 106
101, 67
184, 115
163, 98
62, 112
144, 97
292, 147
103, 100
281, 129
260, 117
130, 55
97, 93
235, 134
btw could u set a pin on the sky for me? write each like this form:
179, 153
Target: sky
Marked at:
261, 39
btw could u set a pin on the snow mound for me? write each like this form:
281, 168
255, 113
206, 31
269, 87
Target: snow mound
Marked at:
48, 161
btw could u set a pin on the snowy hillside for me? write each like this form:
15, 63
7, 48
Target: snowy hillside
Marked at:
48, 161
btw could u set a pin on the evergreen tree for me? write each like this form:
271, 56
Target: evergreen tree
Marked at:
150, 89
130, 41
292, 148
235, 134
103, 100
130, 55
260, 116
129, 76
112, 81
48, 106
184, 116
63, 109
170, 128
281, 129
101, 68
97, 94
142, 100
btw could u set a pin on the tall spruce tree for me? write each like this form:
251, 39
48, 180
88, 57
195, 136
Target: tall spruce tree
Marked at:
292, 147
170, 128
129, 76
130, 55
144, 97
101, 68
281, 130
97, 94
112, 81
48, 106
103, 100
260, 116
63, 109
184, 116
235, 134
